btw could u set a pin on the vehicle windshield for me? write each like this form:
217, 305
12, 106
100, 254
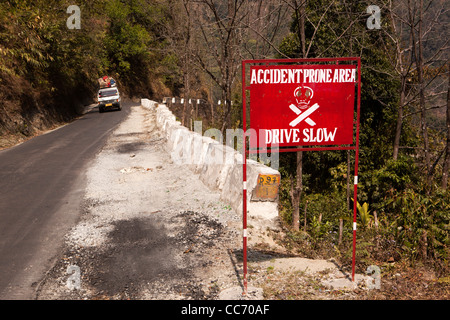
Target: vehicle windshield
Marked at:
107, 93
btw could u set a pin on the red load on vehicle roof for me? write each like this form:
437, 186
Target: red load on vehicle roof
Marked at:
106, 82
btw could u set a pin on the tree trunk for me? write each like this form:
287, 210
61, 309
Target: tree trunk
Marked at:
422, 97
186, 61
301, 26
300, 14
419, 65
186, 95
341, 220
297, 193
447, 150
304, 218
227, 112
398, 129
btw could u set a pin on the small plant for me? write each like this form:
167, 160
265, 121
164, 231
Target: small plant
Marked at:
364, 214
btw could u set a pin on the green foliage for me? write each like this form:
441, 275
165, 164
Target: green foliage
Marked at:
421, 224
22, 31
363, 251
285, 204
290, 45
120, 38
133, 45
397, 174
125, 41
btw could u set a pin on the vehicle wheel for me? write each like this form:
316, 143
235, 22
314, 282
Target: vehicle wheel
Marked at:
100, 109
120, 107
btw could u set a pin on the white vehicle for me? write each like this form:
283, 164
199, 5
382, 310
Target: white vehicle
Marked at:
109, 98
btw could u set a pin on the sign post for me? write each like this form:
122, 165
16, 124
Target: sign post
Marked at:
301, 105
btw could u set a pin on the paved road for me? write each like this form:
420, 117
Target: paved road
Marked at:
41, 188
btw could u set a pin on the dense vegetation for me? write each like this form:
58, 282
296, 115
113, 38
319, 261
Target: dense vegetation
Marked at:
403, 208
404, 205
187, 48
47, 70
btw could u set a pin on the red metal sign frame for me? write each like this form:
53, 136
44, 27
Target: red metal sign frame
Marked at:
354, 146
306, 104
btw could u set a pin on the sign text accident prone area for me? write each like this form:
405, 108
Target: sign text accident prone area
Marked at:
293, 105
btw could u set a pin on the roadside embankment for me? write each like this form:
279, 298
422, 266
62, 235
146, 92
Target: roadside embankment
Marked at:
220, 167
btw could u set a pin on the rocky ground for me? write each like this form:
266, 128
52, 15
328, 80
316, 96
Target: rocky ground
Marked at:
151, 230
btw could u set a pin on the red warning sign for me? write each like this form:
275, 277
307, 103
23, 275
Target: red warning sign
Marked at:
302, 105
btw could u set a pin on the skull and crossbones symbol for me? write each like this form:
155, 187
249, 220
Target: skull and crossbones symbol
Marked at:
303, 96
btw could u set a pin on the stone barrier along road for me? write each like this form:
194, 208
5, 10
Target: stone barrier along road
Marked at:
220, 166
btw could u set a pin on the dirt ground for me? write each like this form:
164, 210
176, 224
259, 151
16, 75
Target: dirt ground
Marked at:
151, 230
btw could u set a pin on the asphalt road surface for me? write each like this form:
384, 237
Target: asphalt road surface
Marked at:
41, 190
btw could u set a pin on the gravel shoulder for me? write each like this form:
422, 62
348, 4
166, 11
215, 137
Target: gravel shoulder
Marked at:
150, 229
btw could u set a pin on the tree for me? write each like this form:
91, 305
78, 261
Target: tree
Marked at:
134, 44
265, 24
447, 149
339, 29
300, 13
418, 49
402, 60
179, 35
218, 25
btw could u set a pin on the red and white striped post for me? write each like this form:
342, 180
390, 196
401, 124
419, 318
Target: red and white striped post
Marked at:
355, 183
244, 181
354, 224
342, 147
244, 223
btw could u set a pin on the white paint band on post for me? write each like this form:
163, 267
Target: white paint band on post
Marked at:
244, 233
356, 180
354, 226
